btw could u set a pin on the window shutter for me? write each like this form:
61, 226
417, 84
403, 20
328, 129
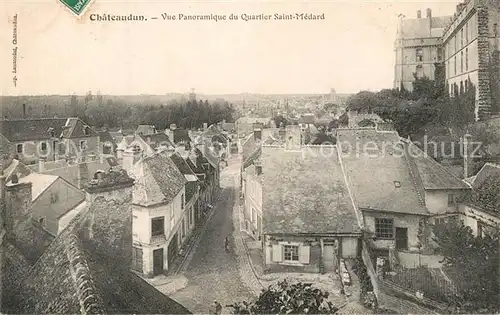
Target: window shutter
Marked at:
277, 253
304, 254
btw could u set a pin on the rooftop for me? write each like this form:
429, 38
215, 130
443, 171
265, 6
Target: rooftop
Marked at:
305, 192
158, 180
31, 129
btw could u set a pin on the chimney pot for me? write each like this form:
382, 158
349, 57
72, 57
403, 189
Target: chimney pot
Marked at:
419, 14
14, 179
429, 13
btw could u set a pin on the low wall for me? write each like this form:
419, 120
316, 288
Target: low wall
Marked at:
370, 269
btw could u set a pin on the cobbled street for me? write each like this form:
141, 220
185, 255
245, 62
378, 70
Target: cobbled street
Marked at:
213, 273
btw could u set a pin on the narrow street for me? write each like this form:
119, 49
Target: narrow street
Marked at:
213, 273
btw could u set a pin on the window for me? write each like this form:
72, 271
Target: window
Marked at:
54, 197
462, 37
451, 200
466, 33
384, 228
466, 59
191, 216
291, 252
254, 215
420, 71
137, 259
479, 229
462, 61
158, 226
83, 144
42, 221
19, 148
86, 130
397, 184
182, 201
455, 64
420, 54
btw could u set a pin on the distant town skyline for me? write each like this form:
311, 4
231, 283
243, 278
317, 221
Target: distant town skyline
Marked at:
351, 50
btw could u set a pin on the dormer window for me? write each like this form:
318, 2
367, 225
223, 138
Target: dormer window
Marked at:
86, 130
397, 184
51, 132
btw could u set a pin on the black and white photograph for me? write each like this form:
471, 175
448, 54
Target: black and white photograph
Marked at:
250, 157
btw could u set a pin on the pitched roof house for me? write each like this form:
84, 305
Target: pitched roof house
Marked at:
86, 269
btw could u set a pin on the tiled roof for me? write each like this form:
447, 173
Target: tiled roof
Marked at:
79, 274
70, 172
249, 147
305, 192
488, 169
105, 136
31, 129
39, 183
18, 168
158, 180
486, 192
145, 130
380, 179
433, 174
156, 140
210, 155
76, 128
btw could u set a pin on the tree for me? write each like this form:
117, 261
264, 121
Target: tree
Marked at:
472, 262
278, 120
287, 298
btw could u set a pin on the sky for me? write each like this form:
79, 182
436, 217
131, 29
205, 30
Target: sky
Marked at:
60, 53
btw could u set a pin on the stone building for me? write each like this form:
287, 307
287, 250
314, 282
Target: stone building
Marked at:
418, 48
470, 44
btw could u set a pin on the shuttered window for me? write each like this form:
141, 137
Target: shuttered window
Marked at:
137, 259
291, 252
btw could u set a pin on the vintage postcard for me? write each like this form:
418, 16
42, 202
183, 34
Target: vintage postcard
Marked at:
249, 157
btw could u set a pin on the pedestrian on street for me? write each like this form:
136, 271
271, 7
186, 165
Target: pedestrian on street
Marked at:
218, 308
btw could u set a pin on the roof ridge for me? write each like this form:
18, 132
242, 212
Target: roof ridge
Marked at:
427, 156
88, 296
413, 176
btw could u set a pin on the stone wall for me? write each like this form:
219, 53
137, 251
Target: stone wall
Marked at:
484, 96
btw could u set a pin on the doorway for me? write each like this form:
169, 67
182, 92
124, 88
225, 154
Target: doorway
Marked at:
401, 238
157, 261
330, 256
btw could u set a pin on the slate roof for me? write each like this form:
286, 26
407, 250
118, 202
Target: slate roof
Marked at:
420, 28
433, 174
372, 173
305, 192
105, 136
181, 135
249, 146
75, 128
158, 180
184, 168
75, 275
31, 129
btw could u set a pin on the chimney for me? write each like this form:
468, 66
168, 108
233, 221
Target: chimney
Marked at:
282, 133
41, 164
258, 168
82, 176
24, 111
131, 156
294, 138
429, 13
18, 212
205, 126
109, 224
468, 160
257, 131
173, 126
419, 14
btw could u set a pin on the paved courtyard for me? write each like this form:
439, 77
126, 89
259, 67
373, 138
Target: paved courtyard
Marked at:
212, 273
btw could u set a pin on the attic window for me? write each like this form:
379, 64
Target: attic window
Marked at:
397, 184
86, 130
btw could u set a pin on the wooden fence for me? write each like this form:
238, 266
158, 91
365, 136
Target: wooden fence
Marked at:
429, 281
